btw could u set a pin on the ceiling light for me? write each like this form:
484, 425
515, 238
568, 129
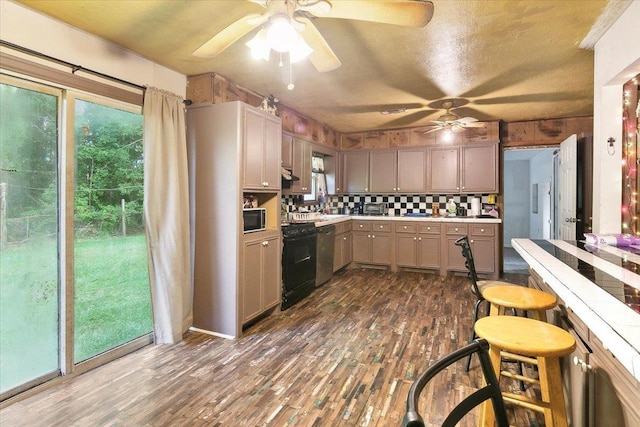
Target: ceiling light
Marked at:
393, 111
281, 36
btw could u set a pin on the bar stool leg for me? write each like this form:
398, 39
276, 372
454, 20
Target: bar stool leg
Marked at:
551, 391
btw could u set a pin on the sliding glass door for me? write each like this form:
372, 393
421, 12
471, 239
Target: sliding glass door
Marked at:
30, 290
111, 282
74, 285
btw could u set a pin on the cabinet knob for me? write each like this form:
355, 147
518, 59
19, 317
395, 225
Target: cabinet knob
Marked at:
428, 228
369, 236
584, 367
470, 241
361, 225
373, 236
415, 238
482, 230
456, 229
366, 189
265, 243
405, 227
344, 238
382, 226
420, 238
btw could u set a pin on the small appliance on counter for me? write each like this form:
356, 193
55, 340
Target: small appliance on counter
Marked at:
374, 209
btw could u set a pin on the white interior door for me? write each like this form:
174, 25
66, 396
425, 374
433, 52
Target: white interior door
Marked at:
567, 189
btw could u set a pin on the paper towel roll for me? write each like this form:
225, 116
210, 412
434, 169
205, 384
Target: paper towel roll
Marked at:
475, 207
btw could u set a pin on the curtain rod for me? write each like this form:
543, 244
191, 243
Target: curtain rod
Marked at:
75, 67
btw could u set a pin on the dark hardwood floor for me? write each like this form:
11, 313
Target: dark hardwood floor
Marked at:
346, 356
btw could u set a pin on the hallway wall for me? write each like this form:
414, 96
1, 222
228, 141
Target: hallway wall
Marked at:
517, 202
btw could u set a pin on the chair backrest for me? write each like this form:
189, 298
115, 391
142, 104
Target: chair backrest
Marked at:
463, 242
491, 389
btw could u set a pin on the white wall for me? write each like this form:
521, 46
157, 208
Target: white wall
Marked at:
517, 203
541, 173
29, 29
617, 60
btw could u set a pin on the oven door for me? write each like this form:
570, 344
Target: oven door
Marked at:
298, 261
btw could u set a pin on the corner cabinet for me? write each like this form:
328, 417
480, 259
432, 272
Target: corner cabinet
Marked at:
468, 169
236, 276
262, 135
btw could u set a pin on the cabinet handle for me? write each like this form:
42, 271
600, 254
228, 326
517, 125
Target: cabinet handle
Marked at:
584, 367
456, 229
428, 228
366, 189
470, 241
344, 238
382, 226
405, 227
420, 238
360, 225
369, 236
265, 243
482, 230
373, 236
415, 238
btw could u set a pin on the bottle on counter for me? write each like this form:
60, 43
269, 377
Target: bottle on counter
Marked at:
451, 207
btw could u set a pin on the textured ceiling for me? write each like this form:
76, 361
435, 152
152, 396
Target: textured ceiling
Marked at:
510, 60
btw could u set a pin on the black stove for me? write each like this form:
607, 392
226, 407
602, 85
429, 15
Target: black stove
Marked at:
298, 262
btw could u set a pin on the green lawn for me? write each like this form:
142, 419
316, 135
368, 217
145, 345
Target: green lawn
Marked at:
112, 303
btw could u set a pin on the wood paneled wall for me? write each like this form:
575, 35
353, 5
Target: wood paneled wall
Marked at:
214, 88
544, 132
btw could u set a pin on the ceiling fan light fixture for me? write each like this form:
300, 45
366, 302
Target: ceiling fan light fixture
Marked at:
280, 33
259, 46
299, 50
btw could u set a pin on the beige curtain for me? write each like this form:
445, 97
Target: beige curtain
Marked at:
166, 212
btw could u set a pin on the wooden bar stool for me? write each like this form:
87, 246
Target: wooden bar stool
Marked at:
530, 341
533, 301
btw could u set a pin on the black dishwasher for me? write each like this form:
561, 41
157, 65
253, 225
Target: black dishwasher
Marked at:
325, 241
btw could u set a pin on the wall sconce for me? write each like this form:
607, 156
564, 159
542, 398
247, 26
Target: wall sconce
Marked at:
610, 148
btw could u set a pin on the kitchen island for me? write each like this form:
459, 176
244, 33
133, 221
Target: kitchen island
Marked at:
598, 291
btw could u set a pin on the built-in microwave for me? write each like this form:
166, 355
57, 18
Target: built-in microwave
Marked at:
255, 219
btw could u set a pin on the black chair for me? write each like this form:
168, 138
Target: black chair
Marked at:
491, 389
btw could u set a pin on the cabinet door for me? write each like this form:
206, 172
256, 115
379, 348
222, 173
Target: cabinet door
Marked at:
412, 167
301, 166
444, 170
406, 250
287, 147
381, 248
337, 252
479, 171
361, 247
484, 255
355, 169
251, 276
429, 250
253, 150
271, 276
346, 249
272, 151
383, 171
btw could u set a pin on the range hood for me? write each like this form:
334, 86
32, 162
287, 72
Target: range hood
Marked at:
288, 176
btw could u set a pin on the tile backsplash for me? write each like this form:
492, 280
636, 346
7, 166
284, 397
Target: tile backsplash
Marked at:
398, 205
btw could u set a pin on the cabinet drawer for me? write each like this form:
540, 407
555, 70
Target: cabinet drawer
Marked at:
457, 229
406, 228
483, 230
381, 227
429, 229
361, 226
340, 227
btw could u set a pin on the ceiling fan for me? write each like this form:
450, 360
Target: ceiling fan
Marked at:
306, 39
450, 122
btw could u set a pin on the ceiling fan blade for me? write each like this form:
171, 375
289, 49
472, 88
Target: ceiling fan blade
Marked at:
474, 124
437, 128
322, 56
399, 12
315, 7
467, 120
457, 129
230, 35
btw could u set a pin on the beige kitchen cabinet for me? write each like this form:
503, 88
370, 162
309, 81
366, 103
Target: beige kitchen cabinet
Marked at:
301, 167
372, 242
467, 169
443, 170
260, 286
262, 139
287, 150
452, 254
216, 146
484, 245
355, 171
417, 245
397, 171
479, 169
342, 248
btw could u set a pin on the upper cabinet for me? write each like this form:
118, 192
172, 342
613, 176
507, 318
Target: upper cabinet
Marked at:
287, 153
397, 171
261, 150
466, 169
301, 167
355, 171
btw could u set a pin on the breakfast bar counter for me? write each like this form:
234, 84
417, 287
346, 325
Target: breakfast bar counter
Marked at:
601, 285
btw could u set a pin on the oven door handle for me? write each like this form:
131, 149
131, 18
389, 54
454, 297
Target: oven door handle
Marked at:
307, 258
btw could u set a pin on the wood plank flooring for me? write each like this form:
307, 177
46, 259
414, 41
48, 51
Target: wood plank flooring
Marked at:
346, 356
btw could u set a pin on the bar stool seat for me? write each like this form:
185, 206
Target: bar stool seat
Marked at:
533, 301
530, 341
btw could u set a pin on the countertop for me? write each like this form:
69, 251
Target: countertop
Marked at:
333, 219
612, 321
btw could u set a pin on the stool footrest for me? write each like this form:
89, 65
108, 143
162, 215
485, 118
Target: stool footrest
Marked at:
519, 377
525, 402
525, 359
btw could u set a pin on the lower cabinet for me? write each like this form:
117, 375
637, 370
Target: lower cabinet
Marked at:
453, 253
598, 390
417, 245
260, 281
372, 242
342, 249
